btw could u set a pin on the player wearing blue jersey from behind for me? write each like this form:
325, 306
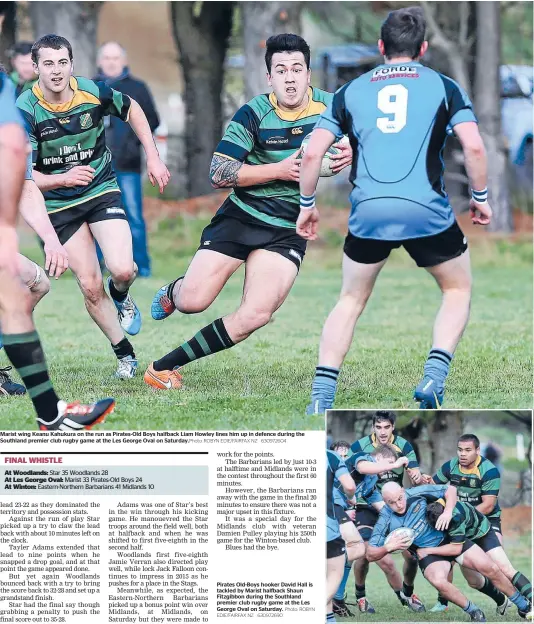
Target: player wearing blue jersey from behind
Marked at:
397, 118
21, 342
335, 545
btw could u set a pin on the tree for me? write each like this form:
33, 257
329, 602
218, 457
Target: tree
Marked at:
260, 21
8, 23
488, 107
201, 31
77, 22
443, 432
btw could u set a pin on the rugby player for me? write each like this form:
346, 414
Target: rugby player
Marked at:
257, 159
397, 117
21, 341
64, 117
478, 482
383, 433
365, 469
474, 543
335, 546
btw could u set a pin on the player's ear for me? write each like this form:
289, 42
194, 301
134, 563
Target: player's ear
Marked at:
424, 48
381, 47
269, 79
309, 76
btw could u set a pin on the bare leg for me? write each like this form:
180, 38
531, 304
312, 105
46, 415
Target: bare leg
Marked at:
115, 240
334, 575
35, 279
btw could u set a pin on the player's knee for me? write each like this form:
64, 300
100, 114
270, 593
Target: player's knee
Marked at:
492, 571
123, 275
252, 318
388, 566
355, 550
190, 303
41, 288
92, 289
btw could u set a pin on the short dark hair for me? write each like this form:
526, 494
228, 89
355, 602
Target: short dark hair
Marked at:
286, 42
21, 48
403, 32
433, 512
385, 450
384, 415
469, 437
50, 41
339, 444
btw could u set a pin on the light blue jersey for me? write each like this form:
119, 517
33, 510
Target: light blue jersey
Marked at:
10, 114
335, 468
414, 518
397, 118
366, 485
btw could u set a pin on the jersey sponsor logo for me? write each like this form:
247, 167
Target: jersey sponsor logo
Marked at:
115, 211
394, 71
277, 140
417, 508
296, 255
298, 130
472, 483
64, 120
48, 131
206, 243
86, 121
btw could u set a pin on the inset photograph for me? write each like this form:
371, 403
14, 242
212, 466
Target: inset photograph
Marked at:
429, 515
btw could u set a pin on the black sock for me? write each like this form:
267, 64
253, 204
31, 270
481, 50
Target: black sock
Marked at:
490, 590
407, 590
443, 601
172, 285
27, 356
523, 585
360, 591
398, 594
117, 295
123, 348
210, 339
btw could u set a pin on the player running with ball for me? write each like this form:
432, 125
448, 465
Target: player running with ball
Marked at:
397, 117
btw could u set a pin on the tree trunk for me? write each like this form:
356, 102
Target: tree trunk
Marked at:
8, 26
444, 432
77, 22
260, 21
201, 32
488, 107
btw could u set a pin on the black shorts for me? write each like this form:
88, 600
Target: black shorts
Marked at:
496, 524
236, 236
427, 251
335, 548
67, 222
426, 561
366, 516
341, 514
489, 541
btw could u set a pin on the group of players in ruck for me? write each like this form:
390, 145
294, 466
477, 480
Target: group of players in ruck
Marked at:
454, 517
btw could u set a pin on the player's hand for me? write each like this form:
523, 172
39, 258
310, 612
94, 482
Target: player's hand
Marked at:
351, 513
442, 523
415, 475
307, 224
422, 553
343, 159
9, 249
82, 175
401, 461
157, 173
289, 168
398, 542
480, 213
56, 258
426, 479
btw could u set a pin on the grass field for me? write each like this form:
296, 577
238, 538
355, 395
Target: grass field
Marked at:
388, 608
264, 383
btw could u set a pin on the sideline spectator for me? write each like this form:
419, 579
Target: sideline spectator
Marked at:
125, 146
23, 75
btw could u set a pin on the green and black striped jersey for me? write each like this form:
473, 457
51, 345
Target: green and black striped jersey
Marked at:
467, 523
399, 444
472, 483
261, 133
65, 135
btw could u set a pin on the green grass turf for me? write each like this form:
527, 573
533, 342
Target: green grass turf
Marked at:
264, 383
389, 609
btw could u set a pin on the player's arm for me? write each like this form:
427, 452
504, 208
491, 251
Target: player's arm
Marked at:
33, 211
457, 536
376, 549
451, 498
448, 550
487, 505
348, 485
491, 484
378, 467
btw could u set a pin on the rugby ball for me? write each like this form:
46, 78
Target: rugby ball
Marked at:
403, 532
326, 164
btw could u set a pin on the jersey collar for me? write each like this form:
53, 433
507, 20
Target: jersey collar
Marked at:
311, 108
375, 441
64, 107
473, 470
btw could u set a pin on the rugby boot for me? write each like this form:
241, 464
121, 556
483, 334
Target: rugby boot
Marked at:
413, 602
478, 616
428, 394
129, 314
77, 417
163, 380
126, 367
365, 606
339, 607
439, 608
8, 387
318, 406
163, 304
